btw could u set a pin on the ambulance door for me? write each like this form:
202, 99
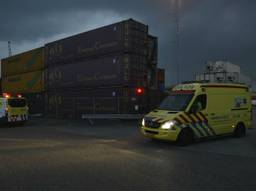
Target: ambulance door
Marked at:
199, 114
219, 113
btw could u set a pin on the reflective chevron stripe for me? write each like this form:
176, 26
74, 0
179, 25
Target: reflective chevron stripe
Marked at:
206, 123
197, 122
202, 125
177, 121
162, 121
156, 119
189, 122
203, 116
199, 118
194, 123
184, 119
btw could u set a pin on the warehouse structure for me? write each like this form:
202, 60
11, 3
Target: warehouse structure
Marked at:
110, 70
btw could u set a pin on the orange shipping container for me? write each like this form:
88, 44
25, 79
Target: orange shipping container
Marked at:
31, 82
29, 61
160, 75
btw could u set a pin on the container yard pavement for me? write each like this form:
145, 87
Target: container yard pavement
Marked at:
111, 155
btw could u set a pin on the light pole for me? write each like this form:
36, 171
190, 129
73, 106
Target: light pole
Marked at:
177, 5
9, 48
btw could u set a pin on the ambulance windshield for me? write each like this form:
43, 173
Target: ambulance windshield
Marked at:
17, 102
176, 102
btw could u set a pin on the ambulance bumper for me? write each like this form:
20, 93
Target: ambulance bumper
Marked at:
17, 118
160, 134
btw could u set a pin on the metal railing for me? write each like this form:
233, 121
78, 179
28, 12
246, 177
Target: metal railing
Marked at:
99, 108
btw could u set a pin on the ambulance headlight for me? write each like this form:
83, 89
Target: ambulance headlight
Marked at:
169, 125
143, 122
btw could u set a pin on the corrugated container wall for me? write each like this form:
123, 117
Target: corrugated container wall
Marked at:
152, 49
36, 102
93, 72
161, 79
24, 83
122, 100
113, 70
152, 60
29, 61
127, 36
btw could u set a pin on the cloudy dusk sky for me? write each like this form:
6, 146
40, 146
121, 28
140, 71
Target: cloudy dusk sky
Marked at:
210, 29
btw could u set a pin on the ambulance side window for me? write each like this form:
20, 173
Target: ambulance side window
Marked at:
199, 104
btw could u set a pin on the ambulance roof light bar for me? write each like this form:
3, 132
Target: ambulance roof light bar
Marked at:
6, 95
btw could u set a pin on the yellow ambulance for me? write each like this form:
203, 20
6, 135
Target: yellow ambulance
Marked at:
13, 110
194, 111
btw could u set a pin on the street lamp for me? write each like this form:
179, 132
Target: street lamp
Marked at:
177, 6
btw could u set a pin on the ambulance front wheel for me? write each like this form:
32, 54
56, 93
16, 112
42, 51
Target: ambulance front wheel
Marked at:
185, 137
240, 130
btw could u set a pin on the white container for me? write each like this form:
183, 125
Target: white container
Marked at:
222, 66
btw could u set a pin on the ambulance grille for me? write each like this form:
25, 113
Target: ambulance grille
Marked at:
152, 124
151, 132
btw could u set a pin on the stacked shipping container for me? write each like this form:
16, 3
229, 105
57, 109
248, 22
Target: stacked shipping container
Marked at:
89, 73
152, 60
161, 79
24, 73
107, 64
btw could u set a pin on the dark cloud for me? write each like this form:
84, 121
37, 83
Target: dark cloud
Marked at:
210, 30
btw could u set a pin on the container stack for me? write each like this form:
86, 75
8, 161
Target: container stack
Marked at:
24, 74
152, 60
99, 71
109, 70
161, 79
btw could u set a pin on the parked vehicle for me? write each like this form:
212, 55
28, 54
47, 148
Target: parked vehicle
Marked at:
13, 109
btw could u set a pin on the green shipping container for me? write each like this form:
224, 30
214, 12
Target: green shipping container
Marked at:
31, 82
29, 61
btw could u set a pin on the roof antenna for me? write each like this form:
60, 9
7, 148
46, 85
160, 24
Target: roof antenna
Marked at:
9, 48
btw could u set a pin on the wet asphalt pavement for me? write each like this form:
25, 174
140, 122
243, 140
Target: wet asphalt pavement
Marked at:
59, 155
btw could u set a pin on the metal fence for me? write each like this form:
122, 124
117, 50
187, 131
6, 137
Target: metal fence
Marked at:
102, 107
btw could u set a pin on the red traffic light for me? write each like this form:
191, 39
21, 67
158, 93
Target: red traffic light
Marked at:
140, 91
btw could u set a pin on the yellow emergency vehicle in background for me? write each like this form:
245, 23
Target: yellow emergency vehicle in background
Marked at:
194, 111
13, 109
254, 99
